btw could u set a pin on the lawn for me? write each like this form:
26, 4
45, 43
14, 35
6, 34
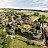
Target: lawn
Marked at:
20, 44
28, 27
32, 18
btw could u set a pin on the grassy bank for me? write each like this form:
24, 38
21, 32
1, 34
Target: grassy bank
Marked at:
20, 44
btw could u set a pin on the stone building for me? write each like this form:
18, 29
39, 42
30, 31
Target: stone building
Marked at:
2, 17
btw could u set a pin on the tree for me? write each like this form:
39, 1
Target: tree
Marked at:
10, 32
2, 33
7, 42
36, 14
24, 16
43, 30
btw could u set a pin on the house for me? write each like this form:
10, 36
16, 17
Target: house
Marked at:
2, 15
18, 16
12, 36
9, 19
2, 18
29, 22
1, 36
20, 21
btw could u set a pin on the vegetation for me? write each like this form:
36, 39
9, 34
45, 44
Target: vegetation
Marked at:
33, 25
6, 43
21, 44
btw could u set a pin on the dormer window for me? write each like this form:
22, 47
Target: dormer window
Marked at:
17, 16
1, 15
14, 18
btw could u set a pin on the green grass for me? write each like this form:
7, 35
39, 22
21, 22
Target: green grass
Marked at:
39, 40
1, 46
28, 27
32, 18
20, 44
